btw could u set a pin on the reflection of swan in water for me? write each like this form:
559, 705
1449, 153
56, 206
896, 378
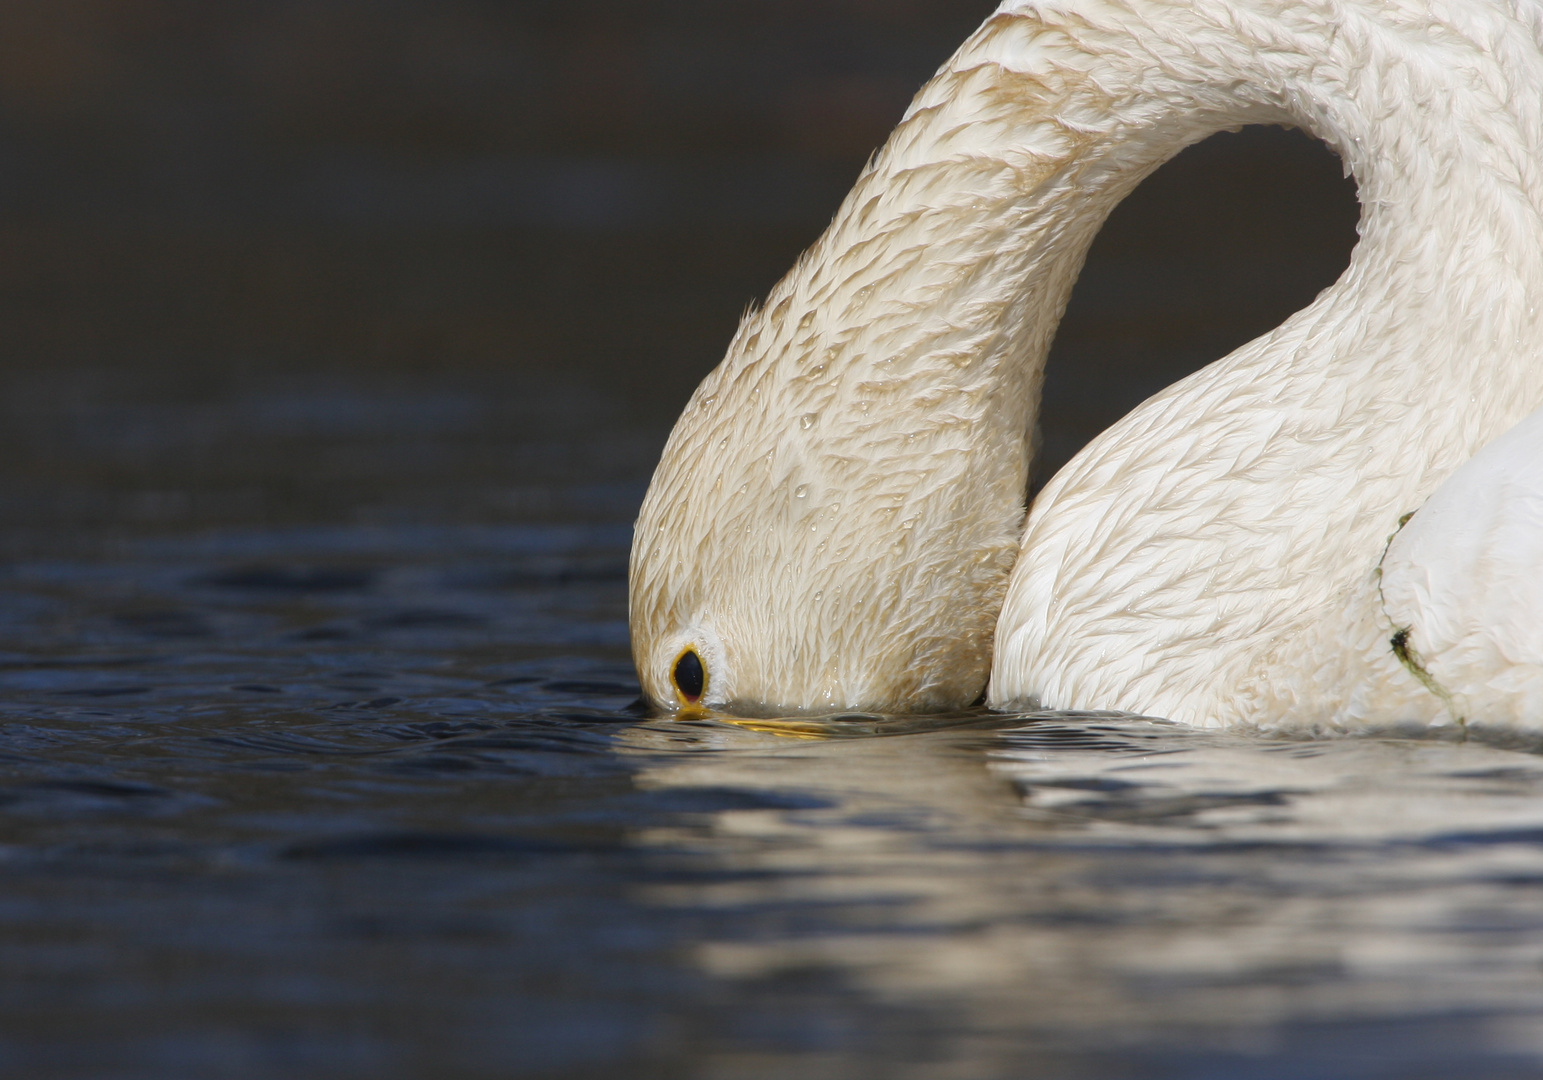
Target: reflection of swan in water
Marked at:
838, 517
1030, 887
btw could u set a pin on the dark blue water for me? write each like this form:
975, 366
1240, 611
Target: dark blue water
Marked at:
320, 759
337, 342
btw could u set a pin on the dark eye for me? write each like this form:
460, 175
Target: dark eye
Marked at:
690, 678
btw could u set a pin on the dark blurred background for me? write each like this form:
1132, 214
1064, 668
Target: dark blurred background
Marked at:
407, 261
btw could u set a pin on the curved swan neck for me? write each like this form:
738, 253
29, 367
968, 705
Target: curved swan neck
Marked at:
1009, 160
855, 468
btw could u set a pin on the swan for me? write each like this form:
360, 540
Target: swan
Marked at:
1340, 524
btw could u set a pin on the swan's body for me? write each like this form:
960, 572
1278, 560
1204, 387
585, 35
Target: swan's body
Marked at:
838, 518
1464, 580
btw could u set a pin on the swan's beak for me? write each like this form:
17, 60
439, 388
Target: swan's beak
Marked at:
786, 729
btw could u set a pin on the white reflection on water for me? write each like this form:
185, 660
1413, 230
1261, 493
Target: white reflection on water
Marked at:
1082, 892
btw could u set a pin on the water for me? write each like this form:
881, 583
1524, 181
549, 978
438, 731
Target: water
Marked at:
320, 758
338, 343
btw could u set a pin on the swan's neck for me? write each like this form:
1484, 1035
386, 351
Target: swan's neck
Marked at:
888, 384
957, 249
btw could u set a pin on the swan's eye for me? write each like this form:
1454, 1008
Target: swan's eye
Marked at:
689, 676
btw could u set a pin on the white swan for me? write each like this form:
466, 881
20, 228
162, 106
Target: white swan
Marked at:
838, 520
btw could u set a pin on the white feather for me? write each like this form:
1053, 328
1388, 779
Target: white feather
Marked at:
1463, 581
838, 516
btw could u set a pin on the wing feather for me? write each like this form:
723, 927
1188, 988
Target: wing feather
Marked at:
1463, 581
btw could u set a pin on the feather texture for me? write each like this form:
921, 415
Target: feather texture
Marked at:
1462, 584
837, 520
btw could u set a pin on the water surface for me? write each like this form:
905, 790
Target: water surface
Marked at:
352, 785
338, 343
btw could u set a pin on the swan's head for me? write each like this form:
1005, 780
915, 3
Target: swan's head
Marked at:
831, 525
